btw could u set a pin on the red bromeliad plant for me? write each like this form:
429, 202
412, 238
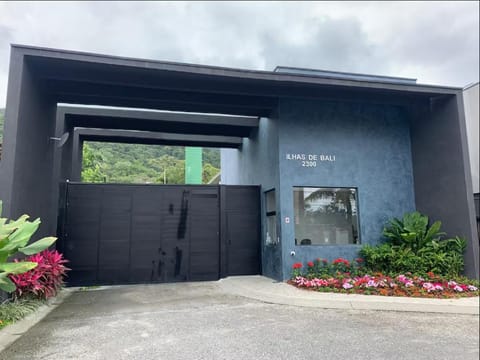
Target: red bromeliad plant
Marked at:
45, 280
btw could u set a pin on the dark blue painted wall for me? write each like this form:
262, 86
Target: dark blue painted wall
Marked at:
371, 144
256, 163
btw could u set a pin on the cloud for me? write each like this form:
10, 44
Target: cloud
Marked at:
440, 46
331, 44
436, 42
5, 36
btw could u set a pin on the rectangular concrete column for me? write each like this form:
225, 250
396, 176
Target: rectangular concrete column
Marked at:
442, 171
27, 161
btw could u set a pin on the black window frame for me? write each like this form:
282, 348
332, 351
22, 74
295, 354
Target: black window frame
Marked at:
357, 201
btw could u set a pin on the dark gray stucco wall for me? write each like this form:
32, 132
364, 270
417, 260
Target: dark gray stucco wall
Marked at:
443, 185
26, 170
65, 153
256, 163
62, 167
372, 147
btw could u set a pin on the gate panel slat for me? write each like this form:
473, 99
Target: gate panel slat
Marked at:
242, 229
204, 235
114, 243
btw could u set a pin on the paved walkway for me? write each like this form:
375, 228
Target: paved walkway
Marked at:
242, 318
270, 291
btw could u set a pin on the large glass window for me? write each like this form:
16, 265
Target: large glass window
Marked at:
325, 216
271, 217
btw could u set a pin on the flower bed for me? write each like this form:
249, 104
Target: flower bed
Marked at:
343, 277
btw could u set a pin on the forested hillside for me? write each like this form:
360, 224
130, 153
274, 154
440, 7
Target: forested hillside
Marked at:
133, 163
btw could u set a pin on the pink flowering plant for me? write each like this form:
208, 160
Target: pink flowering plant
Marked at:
345, 276
415, 260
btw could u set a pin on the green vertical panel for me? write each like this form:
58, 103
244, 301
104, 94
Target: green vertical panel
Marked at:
193, 165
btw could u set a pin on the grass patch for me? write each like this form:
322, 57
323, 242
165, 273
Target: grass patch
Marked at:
12, 311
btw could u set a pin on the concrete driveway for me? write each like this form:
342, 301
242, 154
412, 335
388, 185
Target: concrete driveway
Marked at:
202, 321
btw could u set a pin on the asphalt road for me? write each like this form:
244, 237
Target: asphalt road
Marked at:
198, 321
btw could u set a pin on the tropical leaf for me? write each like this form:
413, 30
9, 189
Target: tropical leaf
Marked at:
457, 244
23, 234
38, 246
15, 224
433, 233
14, 237
6, 284
4, 255
17, 267
15, 242
3, 240
415, 222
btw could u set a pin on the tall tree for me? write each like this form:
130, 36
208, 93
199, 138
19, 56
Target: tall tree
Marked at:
91, 169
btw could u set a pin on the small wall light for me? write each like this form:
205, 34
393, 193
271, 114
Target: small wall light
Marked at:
61, 140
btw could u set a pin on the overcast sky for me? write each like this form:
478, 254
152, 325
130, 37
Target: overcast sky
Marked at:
435, 42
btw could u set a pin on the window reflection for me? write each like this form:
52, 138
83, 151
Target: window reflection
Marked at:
271, 217
325, 216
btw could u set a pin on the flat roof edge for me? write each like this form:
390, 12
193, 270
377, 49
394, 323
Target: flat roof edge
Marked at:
343, 74
469, 86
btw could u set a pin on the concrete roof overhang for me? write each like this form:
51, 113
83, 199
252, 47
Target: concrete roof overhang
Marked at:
84, 78
69, 117
155, 138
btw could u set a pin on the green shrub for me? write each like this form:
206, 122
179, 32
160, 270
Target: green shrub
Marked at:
412, 231
413, 246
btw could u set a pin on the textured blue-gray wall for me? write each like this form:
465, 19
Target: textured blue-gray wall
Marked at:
371, 144
256, 163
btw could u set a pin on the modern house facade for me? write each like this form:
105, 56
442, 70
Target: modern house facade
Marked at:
332, 157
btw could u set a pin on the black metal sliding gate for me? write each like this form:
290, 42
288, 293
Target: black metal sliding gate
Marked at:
117, 234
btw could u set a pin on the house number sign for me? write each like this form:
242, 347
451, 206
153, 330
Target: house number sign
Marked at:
310, 160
